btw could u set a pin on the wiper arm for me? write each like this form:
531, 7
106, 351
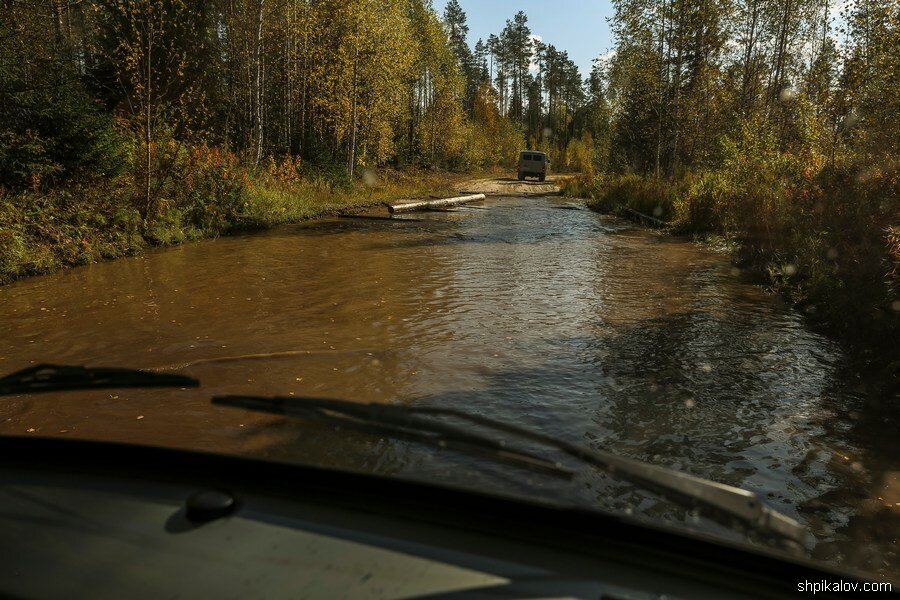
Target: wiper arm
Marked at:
55, 378
717, 500
394, 421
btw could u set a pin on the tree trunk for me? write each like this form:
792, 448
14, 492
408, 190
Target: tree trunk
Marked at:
429, 204
748, 57
148, 122
352, 158
256, 103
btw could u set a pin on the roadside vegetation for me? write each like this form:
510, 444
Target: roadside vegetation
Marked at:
769, 125
95, 220
152, 122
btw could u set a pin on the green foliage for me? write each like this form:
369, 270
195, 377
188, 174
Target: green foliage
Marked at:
579, 155
212, 190
77, 225
208, 192
152, 59
51, 131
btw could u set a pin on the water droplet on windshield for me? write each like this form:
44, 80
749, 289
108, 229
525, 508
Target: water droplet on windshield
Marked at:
369, 178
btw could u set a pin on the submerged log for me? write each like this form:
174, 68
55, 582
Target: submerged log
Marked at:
429, 204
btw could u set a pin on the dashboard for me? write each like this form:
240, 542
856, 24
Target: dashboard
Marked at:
102, 520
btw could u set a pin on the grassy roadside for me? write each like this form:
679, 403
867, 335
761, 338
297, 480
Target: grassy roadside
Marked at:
100, 219
827, 241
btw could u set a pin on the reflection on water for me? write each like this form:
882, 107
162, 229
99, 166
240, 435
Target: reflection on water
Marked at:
559, 320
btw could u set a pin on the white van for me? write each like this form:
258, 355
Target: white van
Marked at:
534, 164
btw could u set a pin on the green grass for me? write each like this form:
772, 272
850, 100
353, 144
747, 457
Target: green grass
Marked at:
42, 233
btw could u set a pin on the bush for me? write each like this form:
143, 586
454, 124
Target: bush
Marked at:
50, 130
212, 191
195, 190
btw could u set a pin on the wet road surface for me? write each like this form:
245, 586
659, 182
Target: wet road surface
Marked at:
526, 309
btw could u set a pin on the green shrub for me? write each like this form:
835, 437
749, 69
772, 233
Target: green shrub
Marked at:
50, 130
212, 191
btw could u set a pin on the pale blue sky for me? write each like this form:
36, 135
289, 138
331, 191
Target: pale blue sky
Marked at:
578, 26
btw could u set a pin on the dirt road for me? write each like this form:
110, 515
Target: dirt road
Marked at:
510, 186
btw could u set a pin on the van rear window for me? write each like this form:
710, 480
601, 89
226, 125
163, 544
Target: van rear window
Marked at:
526, 157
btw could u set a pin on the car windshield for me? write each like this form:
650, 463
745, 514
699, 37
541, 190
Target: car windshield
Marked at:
668, 232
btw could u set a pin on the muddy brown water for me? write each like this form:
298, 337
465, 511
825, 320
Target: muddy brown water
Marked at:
525, 309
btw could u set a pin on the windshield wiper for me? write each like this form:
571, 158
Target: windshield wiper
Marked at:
722, 502
395, 422
55, 378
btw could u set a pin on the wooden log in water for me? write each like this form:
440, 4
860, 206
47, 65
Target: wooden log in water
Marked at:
429, 204
378, 218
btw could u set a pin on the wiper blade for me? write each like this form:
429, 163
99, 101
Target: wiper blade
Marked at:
722, 502
55, 378
394, 421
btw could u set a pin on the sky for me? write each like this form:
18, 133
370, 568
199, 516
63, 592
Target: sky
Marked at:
578, 26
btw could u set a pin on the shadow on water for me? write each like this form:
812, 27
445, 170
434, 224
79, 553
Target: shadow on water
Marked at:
722, 397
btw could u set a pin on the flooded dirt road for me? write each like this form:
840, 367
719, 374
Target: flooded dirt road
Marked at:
527, 309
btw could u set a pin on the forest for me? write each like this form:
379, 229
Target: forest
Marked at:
154, 121
769, 126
